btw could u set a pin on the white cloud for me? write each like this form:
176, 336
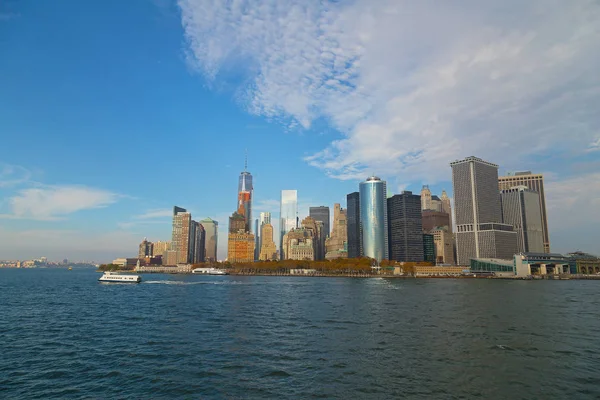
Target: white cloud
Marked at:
12, 175
156, 213
411, 85
54, 202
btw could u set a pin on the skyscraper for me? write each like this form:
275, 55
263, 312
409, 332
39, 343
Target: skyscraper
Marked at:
354, 235
287, 216
521, 209
534, 182
265, 218
336, 245
405, 227
268, 250
211, 229
373, 215
447, 208
256, 240
245, 194
425, 198
480, 231
199, 253
321, 214
182, 239
145, 249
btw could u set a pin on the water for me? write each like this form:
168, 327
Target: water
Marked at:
64, 335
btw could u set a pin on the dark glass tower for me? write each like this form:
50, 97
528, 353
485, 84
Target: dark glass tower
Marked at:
353, 226
405, 227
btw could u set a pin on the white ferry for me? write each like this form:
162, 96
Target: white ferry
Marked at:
210, 271
114, 277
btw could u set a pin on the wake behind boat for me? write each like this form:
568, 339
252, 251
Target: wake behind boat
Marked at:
115, 277
210, 271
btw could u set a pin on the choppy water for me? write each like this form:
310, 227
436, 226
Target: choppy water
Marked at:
64, 335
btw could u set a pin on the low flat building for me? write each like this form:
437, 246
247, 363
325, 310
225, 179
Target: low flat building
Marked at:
531, 264
583, 263
125, 262
497, 266
440, 270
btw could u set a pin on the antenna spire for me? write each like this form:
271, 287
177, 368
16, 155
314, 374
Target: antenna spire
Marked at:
246, 161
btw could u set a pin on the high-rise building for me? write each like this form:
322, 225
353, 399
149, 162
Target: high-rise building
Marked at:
425, 198
145, 249
432, 219
354, 234
444, 246
182, 239
245, 194
373, 217
237, 223
336, 246
405, 227
288, 216
159, 248
480, 230
521, 209
211, 229
268, 250
199, 254
298, 244
256, 240
240, 247
447, 208
321, 213
265, 218
534, 182
428, 248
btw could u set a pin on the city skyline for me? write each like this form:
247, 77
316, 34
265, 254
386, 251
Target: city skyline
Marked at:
74, 113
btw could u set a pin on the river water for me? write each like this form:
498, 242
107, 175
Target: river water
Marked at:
64, 335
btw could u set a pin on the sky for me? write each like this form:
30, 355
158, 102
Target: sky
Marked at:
113, 112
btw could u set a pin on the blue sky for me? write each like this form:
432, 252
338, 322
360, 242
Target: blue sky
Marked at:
112, 112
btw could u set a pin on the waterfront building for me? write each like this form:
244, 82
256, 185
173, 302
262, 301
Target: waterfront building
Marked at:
534, 182
314, 229
298, 244
288, 216
237, 223
441, 270
428, 248
425, 198
199, 253
583, 263
211, 231
521, 209
145, 249
480, 231
268, 250
432, 219
373, 217
338, 241
496, 266
159, 248
444, 245
405, 229
353, 225
182, 240
170, 257
240, 247
531, 263
245, 194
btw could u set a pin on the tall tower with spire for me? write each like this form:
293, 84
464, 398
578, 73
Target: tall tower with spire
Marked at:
245, 193
425, 198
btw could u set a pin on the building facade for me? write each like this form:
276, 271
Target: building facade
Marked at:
373, 217
433, 219
534, 182
211, 230
298, 244
288, 216
245, 194
480, 232
159, 248
182, 240
521, 209
428, 248
240, 247
444, 246
199, 253
425, 198
268, 250
405, 229
337, 243
353, 224
321, 214
145, 249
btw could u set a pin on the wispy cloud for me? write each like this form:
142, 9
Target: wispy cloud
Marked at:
54, 202
156, 213
411, 86
594, 146
13, 175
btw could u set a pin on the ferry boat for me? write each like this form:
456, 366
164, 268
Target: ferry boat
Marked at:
210, 271
115, 277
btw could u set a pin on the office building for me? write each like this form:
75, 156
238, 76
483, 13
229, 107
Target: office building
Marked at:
480, 232
240, 247
211, 231
145, 249
237, 223
245, 194
288, 216
265, 218
521, 209
447, 208
298, 245
425, 198
321, 213
353, 225
428, 248
182, 240
336, 246
534, 182
444, 246
199, 252
432, 219
405, 228
256, 240
170, 258
268, 250
159, 248
373, 217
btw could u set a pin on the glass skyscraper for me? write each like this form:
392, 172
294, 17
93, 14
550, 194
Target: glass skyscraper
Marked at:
288, 216
353, 226
245, 194
373, 218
